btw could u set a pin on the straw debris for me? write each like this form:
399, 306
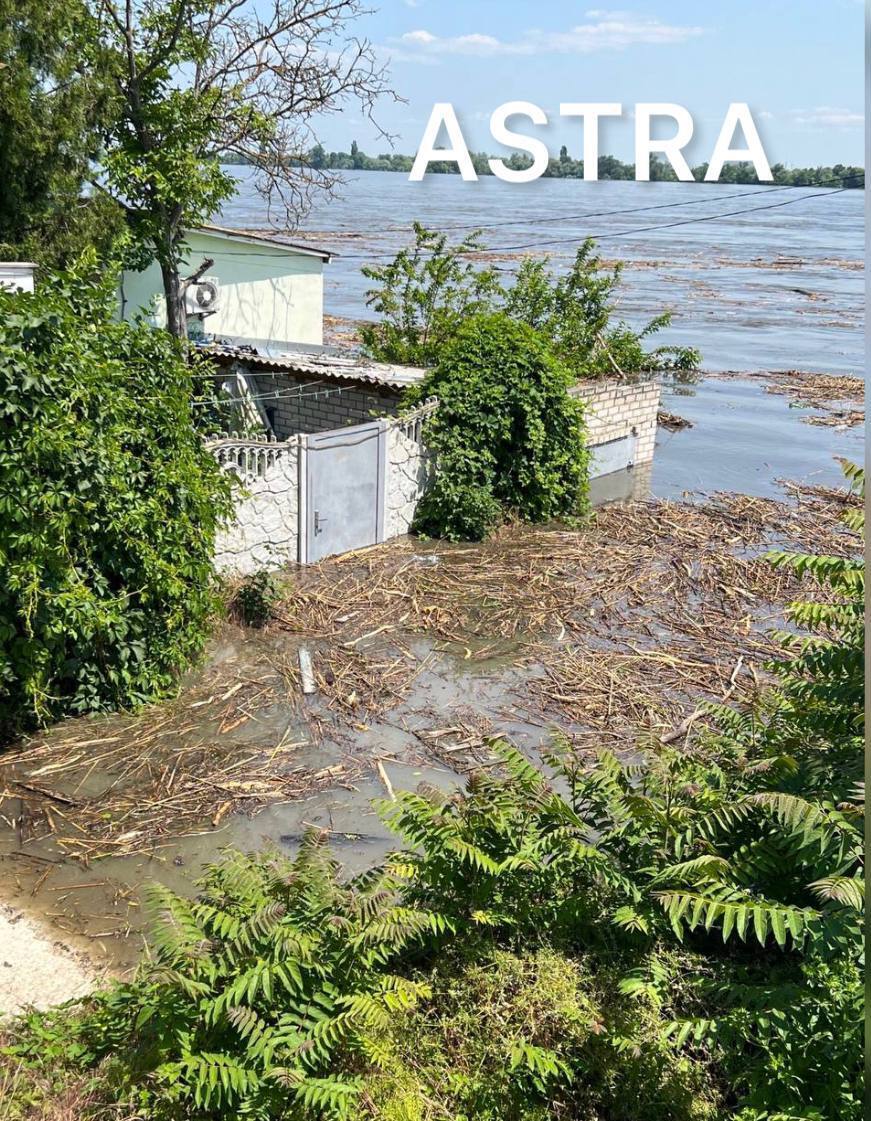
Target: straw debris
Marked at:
614, 629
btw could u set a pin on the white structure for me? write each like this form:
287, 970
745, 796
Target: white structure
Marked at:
17, 274
326, 489
274, 523
261, 290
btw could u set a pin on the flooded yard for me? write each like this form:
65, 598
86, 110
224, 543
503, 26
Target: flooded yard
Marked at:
609, 635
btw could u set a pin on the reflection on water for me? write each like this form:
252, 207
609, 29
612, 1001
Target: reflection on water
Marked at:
622, 486
744, 439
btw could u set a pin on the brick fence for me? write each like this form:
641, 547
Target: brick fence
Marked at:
618, 409
322, 408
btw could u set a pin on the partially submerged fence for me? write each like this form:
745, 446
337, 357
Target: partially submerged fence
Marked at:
371, 481
271, 527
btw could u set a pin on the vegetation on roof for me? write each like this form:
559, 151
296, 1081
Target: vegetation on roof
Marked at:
432, 287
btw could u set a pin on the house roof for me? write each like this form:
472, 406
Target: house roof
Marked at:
265, 238
350, 368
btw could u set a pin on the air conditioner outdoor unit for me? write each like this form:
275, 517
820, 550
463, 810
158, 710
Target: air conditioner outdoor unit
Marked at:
203, 297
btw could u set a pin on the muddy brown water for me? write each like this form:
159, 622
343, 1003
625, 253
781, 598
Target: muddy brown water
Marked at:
743, 439
99, 908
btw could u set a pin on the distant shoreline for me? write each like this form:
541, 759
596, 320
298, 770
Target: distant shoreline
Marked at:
850, 177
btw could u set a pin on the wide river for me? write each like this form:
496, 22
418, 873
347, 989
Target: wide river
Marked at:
765, 286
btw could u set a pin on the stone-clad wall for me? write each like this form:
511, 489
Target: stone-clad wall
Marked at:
264, 532
265, 529
614, 409
408, 470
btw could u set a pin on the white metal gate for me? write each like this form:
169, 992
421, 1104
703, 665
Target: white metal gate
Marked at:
342, 492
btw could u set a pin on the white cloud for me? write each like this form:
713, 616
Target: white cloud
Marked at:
604, 31
826, 116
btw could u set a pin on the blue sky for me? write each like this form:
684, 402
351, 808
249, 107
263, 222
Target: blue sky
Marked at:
798, 63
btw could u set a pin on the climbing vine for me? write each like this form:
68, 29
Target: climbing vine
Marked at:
507, 439
109, 504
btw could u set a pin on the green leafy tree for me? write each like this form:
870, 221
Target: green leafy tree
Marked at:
52, 112
507, 439
317, 157
576, 312
197, 80
109, 504
423, 296
430, 289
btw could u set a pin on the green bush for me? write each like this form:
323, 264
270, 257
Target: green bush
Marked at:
423, 296
255, 598
535, 1035
108, 504
431, 289
507, 439
575, 312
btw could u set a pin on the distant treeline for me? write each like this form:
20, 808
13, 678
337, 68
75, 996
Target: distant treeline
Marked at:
565, 167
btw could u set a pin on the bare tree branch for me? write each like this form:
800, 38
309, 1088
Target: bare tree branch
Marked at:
202, 79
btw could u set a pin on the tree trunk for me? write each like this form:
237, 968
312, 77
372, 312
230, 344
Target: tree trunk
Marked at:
176, 321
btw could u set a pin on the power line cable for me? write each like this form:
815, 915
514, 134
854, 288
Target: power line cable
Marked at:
649, 229
640, 209
578, 217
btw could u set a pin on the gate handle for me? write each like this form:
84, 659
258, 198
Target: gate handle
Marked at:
318, 522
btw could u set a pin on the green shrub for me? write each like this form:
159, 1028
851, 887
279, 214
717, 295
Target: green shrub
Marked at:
269, 994
507, 439
575, 312
535, 1035
424, 296
431, 289
255, 598
108, 503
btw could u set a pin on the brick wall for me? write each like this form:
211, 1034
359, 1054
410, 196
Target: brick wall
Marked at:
295, 405
615, 409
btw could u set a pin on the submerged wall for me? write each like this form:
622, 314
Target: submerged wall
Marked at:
617, 409
264, 532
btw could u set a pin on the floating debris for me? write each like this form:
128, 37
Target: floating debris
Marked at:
829, 395
306, 672
619, 627
672, 421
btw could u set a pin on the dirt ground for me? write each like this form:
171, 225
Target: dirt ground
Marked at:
36, 968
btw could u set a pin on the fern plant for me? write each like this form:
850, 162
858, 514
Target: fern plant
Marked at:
266, 993
702, 908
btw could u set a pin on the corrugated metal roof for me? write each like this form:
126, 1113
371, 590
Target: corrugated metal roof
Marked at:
330, 366
266, 237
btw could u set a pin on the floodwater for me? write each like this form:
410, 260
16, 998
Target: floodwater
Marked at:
767, 286
745, 439
777, 289
99, 908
